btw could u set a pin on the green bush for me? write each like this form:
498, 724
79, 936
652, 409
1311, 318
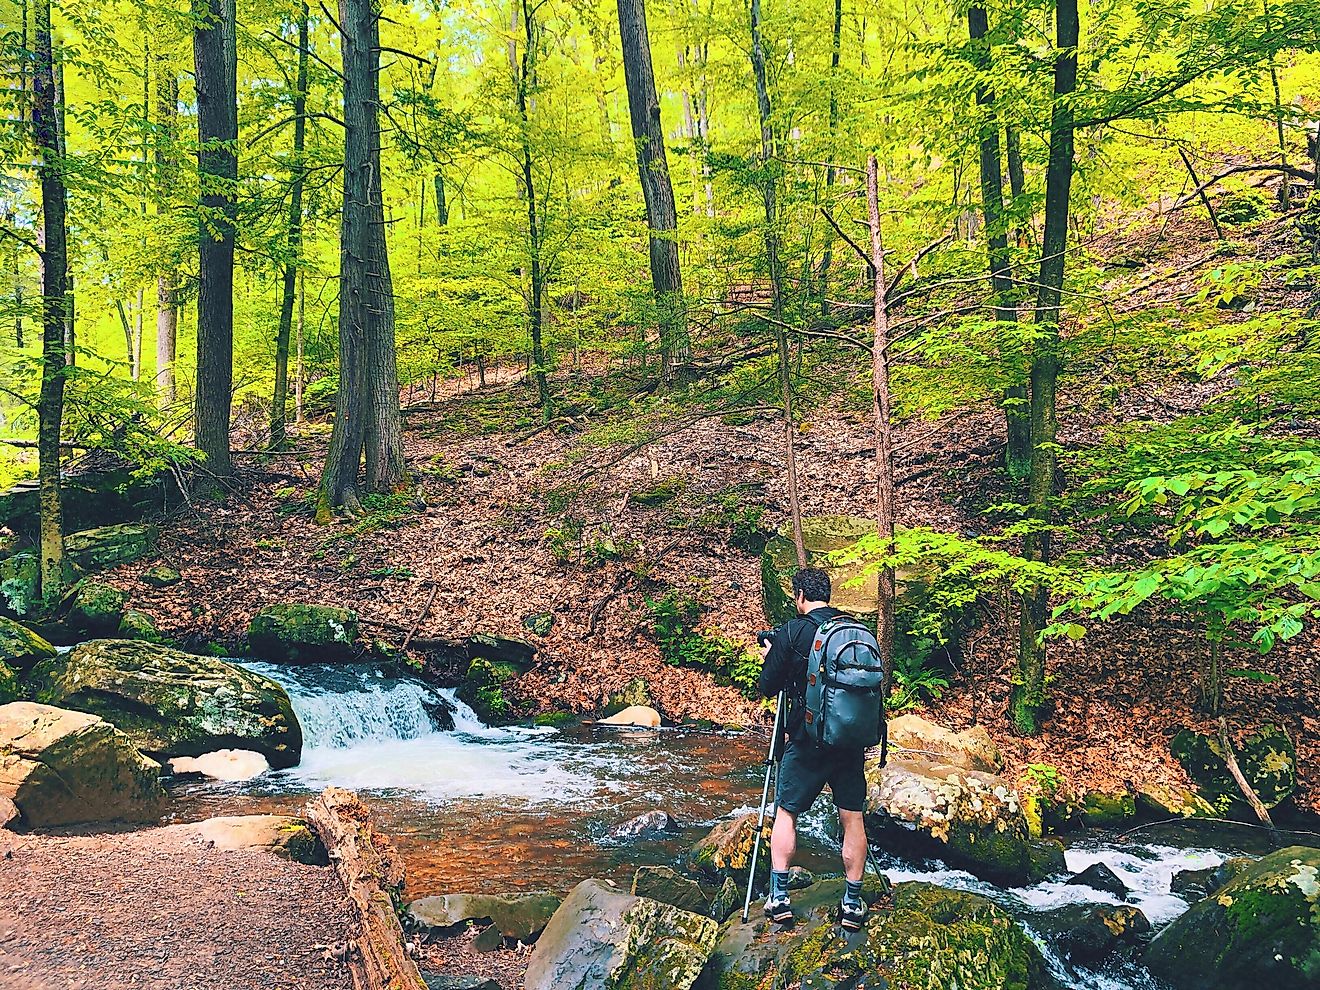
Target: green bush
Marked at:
1245, 206
676, 619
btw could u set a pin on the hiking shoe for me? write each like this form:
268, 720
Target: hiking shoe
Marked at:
852, 914
778, 909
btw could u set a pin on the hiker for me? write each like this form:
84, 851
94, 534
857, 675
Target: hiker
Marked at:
806, 765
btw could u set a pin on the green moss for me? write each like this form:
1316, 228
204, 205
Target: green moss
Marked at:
1102, 810
97, 608
139, 625
9, 687
555, 719
661, 492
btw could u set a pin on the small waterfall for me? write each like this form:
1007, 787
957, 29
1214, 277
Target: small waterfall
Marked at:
344, 706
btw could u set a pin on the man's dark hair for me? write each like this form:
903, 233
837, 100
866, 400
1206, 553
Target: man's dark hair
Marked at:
812, 583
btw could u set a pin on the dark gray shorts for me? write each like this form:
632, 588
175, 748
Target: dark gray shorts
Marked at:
807, 768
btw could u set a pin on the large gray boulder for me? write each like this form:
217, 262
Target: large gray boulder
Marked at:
516, 916
1261, 929
172, 703
293, 633
63, 768
110, 546
969, 818
604, 939
1267, 759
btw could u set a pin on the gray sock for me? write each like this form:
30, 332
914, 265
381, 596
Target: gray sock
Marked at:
779, 883
852, 893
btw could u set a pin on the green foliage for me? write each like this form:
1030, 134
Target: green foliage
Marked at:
914, 684
1243, 206
676, 619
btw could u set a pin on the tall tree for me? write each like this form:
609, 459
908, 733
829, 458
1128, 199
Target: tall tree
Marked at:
167, 298
524, 67
769, 201
1017, 418
215, 55
367, 403
1027, 699
657, 191
46, 112
836, 50
280, 395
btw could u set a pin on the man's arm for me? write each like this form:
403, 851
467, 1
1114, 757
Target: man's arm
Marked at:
777, 667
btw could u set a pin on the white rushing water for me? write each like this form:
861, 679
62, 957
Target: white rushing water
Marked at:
373, 733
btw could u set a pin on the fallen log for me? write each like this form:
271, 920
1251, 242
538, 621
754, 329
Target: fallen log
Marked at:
371, 871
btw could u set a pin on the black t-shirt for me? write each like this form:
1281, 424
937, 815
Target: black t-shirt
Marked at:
785, 667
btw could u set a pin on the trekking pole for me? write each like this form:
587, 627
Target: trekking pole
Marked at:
770, 764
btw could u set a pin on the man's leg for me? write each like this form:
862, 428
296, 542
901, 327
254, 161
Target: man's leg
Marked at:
783, 840
854, 844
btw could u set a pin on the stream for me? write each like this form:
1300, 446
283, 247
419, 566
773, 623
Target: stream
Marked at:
480, 808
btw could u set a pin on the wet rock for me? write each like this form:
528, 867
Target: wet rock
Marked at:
603, 938
800, 878
1173, 802
160, 576
931, 938
634, 694
966, 817
1192, 885
1087, 933
972, 749
293, 633
110, 546
652, 824
1098, 876
172, 703
138, 625
539, 623
514, 916
63, 768
97, 609
726, 850
501, 649
725, 900
639, 716
1107, 810
223, 764
483, 690
1267, 759
281, 835
20, 647
440, 710
1260, 929
660, 883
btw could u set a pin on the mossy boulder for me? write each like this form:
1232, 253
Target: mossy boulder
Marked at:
484, 691
930, 938
139, 625
20, 647
63, 767
1267, 759
280, 835
172, 703
539, 623
521, 916
97, 609
294, 633
110, 546
969, 818
726, 850
1260, 929
604, 939
161, 576
636, 693
1087, 933
1164, 801
823, 535
10, 688
1101, 809
668, 886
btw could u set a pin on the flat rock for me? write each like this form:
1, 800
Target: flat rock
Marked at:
972, 749
223, 764
296, 633
640, 716
281, 835
63, 767
668, 886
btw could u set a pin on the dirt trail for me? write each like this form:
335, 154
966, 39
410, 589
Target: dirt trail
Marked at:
156, 909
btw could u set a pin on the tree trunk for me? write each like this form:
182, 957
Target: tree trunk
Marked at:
46, 111
770, 203
70, 307
298, 367
441, 202
522, 93
1017, 416
1027, 699
827, 258
367, 403
1017, 180
215, 57
167, 305
880, 413
280, 395
657, 190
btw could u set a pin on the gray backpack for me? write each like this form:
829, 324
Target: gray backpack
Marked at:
845, 700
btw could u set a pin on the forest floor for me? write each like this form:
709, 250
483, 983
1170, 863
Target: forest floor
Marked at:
118, 910
519, 520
